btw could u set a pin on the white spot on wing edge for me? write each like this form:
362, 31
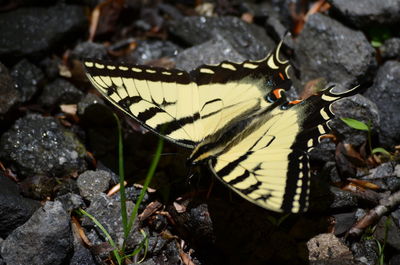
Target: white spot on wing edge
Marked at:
271, 63
138, 70
206, 71
324, 114
328, 98
228, 66
250, 65
278, 51
321, 129
98, 65
151, 71
89, 64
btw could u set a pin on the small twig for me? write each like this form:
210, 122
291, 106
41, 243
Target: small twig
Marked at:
374, 215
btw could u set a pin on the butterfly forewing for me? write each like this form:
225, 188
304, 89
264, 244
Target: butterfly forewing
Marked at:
189, 106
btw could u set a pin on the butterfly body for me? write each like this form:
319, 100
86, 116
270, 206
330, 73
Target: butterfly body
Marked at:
234, 117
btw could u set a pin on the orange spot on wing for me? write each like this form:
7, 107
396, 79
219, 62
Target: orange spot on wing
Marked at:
277, 92
282, 76
294, 102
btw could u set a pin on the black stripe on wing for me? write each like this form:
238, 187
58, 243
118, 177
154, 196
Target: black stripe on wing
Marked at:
316, 112
142, 72
272, 68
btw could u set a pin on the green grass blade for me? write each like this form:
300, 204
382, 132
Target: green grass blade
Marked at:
146, 183
105, 232
381, 150
355, 124
121, 172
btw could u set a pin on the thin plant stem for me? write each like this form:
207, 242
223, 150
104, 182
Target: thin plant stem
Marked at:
121, 173
146, 183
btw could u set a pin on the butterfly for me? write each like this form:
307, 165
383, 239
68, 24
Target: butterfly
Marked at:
234, 116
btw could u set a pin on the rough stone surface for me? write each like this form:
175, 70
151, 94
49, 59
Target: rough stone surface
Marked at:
87, 100
89, 50
356, 107
23, 31
27, 77
385, 93
91, 183
71, 201
391, 49
14, 209
327, 247
366, 252
39, 145
82, 256
367, 12
151, 50
108, 212
342, 199
60, 91
326, 48
393, 233
9, 96
45, 239
247, 39
218, 49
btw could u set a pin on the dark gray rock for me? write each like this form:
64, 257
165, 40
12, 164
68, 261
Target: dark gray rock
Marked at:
367, 12
382, 171
82, 256
385, 93
9, 95
91, 183
391, 49
87, 100
67, 185
148, 50
395, 260
384, 176
326, 48
248, 39
365, 252
71, 201
23, 31
218, 49
324, 151
194, 222
169, 255
14, 209
45, 239
38, 187
393, 232
356, 107
40, 145
58, 92
27, 77
50, 66
342, 199
132, 194
89, 49
108, 212
343, 222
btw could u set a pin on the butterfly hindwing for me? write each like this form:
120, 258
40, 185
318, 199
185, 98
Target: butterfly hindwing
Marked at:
273, 172
189, 106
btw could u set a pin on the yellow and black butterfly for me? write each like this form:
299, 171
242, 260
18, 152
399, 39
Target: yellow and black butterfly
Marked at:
235, 117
